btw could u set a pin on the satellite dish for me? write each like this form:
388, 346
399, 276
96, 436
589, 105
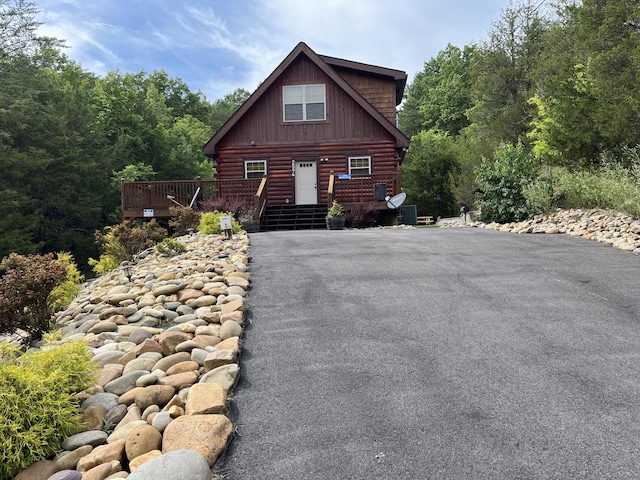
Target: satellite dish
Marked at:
397, 200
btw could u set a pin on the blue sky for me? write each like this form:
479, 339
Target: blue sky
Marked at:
217, 46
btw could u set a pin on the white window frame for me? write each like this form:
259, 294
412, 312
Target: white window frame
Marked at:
359, 167
247, 170
305, 100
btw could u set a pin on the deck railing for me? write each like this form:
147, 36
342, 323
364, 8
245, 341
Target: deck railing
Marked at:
153, 199
350, 189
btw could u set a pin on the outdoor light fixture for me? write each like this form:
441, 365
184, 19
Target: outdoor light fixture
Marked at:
126, 269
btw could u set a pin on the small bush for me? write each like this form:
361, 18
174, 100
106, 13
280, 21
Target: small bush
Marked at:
170, 247
336, 210
362, 215
182, 219
38, 410
25, 289
235, 204
210, 223
63, 294
121, 242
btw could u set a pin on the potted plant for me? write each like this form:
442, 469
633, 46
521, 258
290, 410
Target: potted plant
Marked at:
335, 217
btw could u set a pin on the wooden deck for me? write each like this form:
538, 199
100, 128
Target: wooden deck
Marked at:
153, 199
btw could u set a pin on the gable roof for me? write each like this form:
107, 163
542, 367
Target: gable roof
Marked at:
323, 63
398, 76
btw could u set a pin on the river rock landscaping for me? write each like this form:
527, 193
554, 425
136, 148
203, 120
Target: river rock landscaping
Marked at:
605, 226
167, 341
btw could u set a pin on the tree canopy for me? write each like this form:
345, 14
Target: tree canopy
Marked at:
560, 82
66, 133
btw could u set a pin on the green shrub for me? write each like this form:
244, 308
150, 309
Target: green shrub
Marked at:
121, 242
210, 223
25, 288
182, 219
170, 247
37, 404
63, 294
503, 181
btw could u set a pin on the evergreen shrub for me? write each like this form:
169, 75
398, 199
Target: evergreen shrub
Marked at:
37, 404
63, 294
210, 223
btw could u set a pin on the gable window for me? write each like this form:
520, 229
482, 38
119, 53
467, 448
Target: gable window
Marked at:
304, 102
359, 165
255, 168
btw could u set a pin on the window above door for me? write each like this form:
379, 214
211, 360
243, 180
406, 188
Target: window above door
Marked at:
304, 102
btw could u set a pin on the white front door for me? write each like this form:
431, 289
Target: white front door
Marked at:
306, 182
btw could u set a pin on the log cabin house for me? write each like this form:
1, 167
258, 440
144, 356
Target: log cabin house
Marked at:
317, 129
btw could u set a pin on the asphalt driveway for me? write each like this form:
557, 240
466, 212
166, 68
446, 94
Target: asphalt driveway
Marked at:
438, 354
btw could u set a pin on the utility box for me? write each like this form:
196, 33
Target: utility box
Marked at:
379, 191
225, 223
409, 214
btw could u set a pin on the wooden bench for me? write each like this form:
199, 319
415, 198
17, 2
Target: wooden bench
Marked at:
426, 220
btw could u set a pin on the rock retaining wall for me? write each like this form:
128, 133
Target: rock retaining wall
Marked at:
605, 226
167, 342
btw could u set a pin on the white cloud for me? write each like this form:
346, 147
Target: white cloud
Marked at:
218, 46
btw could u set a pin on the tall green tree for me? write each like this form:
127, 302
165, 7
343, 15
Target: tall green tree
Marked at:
226, 106
589, 78
505, 75
428, 170
440, 95
18, 29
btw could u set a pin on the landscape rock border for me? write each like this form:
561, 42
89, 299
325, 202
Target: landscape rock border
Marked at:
617, 229
167, 341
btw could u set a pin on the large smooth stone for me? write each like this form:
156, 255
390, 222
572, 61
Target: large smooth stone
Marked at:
226, 375
91, 437
175, 465
206, 434
125, 383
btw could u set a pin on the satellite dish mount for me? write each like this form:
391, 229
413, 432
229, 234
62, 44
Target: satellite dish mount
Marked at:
395, 202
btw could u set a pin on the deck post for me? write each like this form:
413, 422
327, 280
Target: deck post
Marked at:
122, 202
260, 198
331, 189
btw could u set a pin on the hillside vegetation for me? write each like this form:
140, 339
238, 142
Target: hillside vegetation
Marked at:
544, 112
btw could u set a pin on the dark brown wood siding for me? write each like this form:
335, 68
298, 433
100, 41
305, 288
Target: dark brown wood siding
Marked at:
281, 186
262, 134
379, 92
264, 124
